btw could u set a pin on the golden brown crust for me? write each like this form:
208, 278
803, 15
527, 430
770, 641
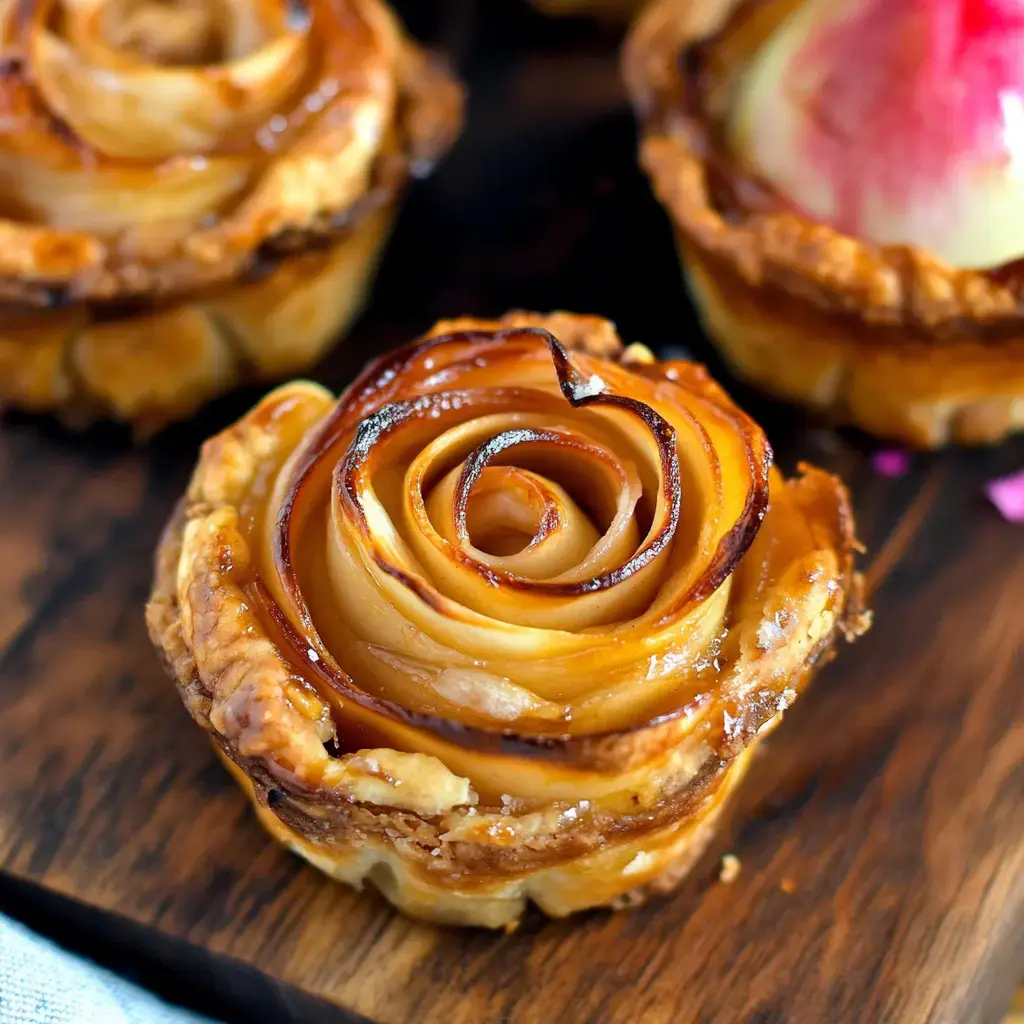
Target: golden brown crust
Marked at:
592, 335
771, 280
463, 804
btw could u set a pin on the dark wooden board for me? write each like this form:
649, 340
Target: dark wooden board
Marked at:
881, 833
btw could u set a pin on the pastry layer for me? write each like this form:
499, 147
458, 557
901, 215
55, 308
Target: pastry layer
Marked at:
146, 176
161, 365
965, 392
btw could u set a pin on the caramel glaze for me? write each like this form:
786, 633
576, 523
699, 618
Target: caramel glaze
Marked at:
704, 74
486, 454
331, 69
481, 864
371, 389
612, 751
349, 476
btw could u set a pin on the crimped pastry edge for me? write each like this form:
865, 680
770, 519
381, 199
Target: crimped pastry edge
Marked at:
559, 889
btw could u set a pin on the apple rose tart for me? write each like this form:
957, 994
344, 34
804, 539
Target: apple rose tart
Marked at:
844, 178
195, 193
506, 620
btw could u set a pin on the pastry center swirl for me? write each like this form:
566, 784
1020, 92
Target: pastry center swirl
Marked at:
185, 33
149, 80
510, 510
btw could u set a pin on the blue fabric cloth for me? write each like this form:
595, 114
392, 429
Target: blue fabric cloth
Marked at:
40, 983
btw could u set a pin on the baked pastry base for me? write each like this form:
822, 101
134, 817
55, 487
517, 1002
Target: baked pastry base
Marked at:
157, 366
966, 392
619, 875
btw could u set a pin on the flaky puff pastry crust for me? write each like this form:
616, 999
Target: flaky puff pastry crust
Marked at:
504, 622
888, 338
194, 194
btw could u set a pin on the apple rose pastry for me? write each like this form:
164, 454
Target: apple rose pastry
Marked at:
195, 193
844, 177
506, 620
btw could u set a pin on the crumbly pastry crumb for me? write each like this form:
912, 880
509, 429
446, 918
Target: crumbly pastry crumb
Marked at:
730, 869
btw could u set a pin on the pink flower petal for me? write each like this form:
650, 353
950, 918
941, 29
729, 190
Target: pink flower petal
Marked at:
890, 462
1007, 494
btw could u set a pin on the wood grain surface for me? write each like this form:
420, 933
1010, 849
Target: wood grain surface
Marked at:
881, 834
